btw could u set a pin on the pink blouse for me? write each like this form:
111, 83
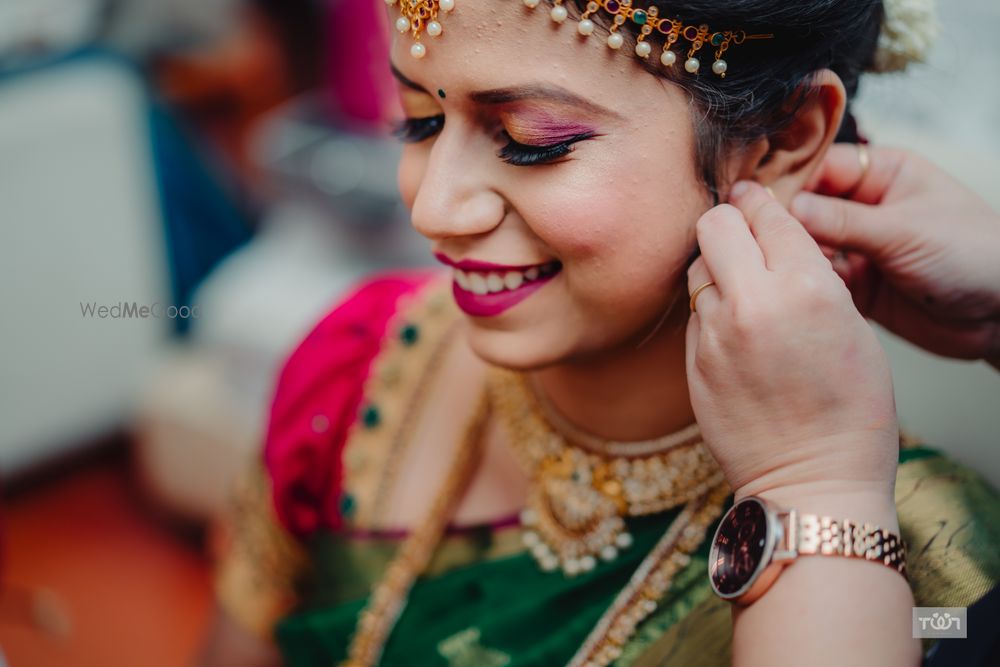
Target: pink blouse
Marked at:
317, 399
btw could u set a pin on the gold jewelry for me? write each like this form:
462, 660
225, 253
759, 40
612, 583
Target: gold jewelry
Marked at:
608, 448
389, 596
578, 496
866, 164
633, 604
651, 580
698, 290
418, 14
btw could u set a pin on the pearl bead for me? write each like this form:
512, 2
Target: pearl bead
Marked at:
447, 5
530, 538
402, 24
571, 567
418, 50
615, 40
624, 541
434, 28
668, 58
720, 67
587, 563
558, 13
609, 553
530, 4
585, 27
549, 563
529, 517
692, 65
643, 49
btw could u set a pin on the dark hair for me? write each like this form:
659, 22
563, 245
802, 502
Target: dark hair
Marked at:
763, 87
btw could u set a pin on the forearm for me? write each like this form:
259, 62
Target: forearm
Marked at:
827, 610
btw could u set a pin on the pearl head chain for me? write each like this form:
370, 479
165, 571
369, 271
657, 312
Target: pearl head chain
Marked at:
419, 16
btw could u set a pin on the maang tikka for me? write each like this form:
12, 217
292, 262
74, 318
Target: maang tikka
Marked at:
419, 16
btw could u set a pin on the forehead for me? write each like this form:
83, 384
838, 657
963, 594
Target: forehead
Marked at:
490, 44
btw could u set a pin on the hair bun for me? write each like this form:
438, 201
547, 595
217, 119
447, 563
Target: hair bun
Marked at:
909, 29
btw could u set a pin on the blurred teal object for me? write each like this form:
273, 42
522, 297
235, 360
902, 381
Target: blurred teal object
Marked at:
202, 219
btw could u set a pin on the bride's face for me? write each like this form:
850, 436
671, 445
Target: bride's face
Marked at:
558, 159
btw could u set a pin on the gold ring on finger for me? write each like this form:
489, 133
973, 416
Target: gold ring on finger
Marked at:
698, 290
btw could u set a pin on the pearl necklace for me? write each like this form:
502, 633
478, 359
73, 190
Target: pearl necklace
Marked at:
578, 497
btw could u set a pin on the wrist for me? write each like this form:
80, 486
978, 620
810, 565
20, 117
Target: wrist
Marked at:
871, 502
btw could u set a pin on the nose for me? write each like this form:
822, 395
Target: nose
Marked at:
456, 196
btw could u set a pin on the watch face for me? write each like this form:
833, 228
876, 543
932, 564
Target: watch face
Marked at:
739, 548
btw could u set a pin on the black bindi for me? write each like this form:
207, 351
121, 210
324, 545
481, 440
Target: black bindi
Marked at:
441, 93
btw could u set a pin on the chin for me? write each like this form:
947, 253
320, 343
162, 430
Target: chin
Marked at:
522, 350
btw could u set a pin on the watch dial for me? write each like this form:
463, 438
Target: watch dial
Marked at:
739, 547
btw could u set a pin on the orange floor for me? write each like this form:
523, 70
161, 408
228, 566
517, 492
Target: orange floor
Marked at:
135, 593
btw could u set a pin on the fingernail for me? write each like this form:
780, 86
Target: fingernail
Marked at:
770, 192
739, 189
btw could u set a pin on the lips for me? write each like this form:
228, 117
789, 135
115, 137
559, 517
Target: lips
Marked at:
485, 289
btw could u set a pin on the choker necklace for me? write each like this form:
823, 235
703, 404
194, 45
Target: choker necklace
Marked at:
582, 487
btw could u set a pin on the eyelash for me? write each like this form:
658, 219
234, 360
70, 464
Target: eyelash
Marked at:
415, 130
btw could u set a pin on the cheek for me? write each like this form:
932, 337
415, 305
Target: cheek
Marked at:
615, 236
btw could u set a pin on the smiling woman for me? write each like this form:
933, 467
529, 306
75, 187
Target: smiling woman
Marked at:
522, 461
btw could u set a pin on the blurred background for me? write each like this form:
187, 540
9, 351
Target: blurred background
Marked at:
224, 164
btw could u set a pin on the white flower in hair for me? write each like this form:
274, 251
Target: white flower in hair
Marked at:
908, 32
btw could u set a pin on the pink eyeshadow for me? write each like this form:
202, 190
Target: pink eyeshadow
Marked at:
544, 130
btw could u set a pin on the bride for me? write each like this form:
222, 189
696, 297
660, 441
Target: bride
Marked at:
532, 457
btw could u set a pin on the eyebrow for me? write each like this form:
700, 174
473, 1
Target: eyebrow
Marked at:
499, 96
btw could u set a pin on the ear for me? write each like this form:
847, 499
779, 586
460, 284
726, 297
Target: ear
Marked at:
785, 161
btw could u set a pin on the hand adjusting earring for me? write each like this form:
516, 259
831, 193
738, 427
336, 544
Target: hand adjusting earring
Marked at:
418, 15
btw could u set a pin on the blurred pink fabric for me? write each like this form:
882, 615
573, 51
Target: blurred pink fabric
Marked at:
359, 84
318, 398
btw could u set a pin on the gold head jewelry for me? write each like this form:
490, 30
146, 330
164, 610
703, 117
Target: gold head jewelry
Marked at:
418, 15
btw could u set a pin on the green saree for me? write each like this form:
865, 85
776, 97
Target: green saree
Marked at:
481, 605
305, 543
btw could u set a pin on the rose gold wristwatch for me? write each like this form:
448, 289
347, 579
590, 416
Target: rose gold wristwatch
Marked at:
755, 540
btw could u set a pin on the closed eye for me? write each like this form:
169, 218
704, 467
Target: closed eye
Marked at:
527, 155
415, 130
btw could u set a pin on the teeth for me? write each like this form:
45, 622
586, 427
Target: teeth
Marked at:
494, 282
513, 279
478, 282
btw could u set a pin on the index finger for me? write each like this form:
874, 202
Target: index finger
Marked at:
782, 239
843, 174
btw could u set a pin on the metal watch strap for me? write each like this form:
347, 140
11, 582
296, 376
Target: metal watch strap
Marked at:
809, 534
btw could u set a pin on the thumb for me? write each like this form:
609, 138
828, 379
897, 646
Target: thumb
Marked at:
841, 223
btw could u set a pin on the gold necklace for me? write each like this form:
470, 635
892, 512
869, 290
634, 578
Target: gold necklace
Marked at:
579, 496
617, 625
